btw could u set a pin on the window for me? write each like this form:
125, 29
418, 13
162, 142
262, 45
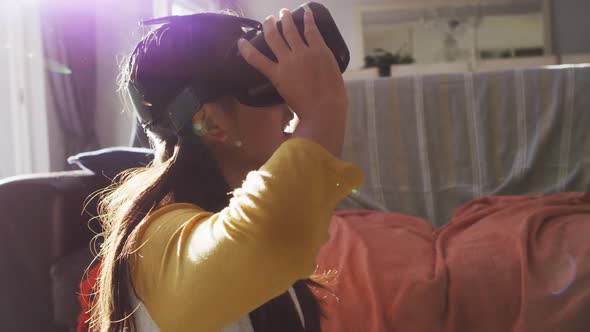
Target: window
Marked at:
24, 133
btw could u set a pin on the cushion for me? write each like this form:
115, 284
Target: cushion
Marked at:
512, 263
385, 279
112, 161
518, 263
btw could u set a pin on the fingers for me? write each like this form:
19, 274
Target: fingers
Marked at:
256, 59
290, 30
273, 37
311, 31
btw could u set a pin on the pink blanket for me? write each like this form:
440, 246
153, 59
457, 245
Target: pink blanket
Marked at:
501, 264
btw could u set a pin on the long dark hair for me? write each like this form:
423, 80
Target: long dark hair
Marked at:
184, 170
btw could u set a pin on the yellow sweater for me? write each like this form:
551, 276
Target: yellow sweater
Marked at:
198, 271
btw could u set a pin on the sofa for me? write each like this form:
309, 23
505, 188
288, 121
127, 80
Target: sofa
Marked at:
43, 229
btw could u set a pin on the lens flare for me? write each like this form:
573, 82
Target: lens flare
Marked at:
56, 67
561, 274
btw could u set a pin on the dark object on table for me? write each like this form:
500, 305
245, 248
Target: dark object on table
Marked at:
383, 60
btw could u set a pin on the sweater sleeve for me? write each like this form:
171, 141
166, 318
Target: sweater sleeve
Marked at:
198, 271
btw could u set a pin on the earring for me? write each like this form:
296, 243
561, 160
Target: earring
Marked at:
236, 142
199, 128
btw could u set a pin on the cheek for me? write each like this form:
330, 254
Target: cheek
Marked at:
262, 134
265, 124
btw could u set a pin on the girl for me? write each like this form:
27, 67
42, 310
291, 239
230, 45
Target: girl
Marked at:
178, 253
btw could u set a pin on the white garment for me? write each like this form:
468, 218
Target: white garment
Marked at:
145, 323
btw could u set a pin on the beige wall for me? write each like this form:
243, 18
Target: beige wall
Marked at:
571, 26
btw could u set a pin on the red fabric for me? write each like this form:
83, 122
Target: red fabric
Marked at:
501, 264
85, 298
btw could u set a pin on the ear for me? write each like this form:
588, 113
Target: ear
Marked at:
213, 122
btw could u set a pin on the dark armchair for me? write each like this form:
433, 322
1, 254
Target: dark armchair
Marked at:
42, 230
45, 235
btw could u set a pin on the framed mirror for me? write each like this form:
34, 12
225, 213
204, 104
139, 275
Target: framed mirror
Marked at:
458, 33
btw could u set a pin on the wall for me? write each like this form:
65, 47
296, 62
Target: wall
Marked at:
117, 35
571, 26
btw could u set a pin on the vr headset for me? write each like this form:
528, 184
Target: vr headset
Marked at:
238, 78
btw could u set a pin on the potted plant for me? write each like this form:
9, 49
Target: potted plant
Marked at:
383, 60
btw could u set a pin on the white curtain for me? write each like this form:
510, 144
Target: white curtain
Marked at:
23, 122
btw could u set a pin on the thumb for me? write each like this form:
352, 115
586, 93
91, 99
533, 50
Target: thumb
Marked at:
256, 59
